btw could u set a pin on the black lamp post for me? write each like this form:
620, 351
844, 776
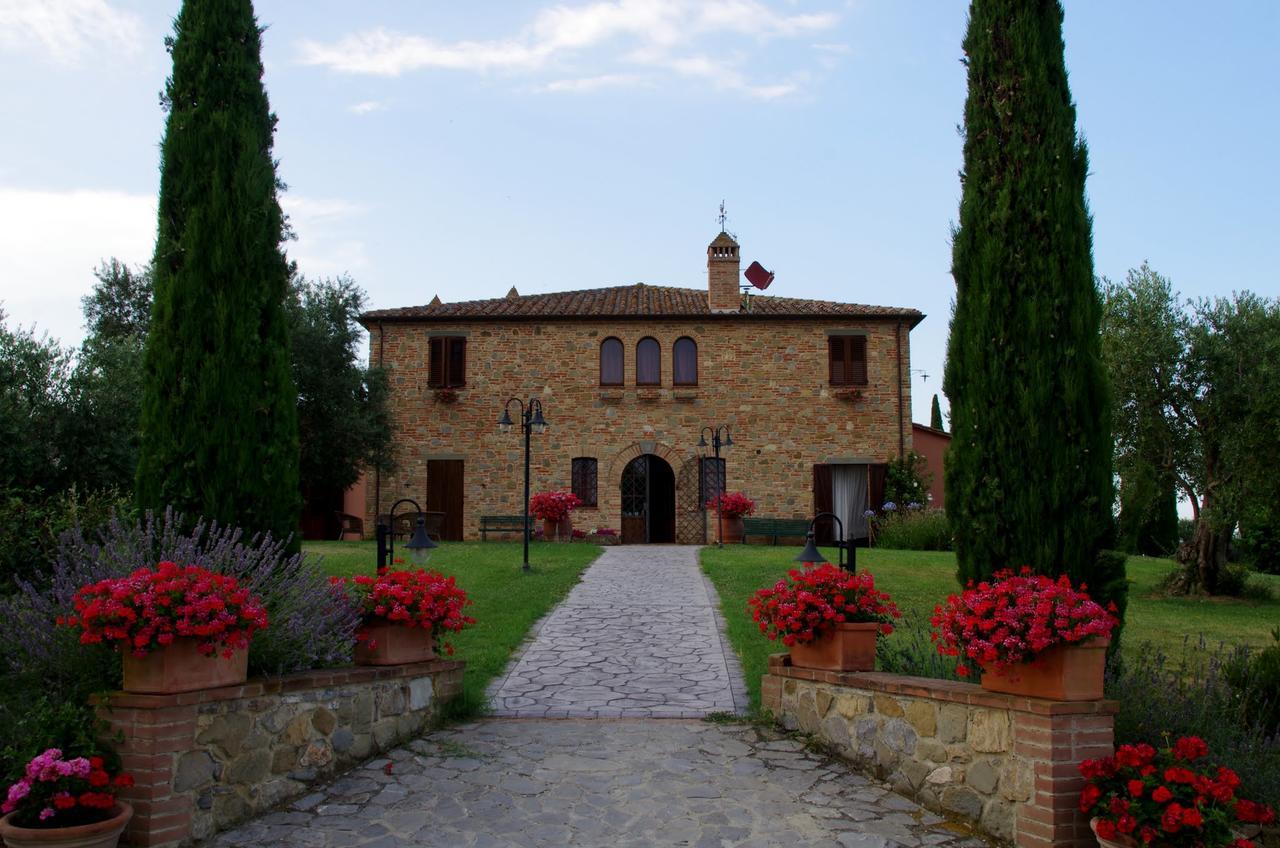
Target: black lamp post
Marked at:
717, 442
810, 555
531, 421
419, 545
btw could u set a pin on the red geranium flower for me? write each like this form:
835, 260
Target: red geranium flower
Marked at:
1161, 795
1136, 788
426, 599
810, 601
1001, 624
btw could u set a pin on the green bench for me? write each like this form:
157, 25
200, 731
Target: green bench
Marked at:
501, 524
774, 527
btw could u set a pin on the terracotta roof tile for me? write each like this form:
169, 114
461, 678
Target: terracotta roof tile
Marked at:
630, 302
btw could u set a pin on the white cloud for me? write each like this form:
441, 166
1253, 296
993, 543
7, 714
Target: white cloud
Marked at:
364, 107
67, 28
52, 241
610, 38
587, 84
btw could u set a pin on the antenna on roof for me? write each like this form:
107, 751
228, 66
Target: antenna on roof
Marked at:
723, 216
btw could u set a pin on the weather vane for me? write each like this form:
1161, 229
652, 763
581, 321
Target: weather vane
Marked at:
723, 216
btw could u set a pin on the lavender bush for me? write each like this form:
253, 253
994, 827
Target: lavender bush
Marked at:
312, 623
910, 651
1162, 696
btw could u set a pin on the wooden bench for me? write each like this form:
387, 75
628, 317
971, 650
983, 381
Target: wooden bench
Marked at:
501, 524
774, 527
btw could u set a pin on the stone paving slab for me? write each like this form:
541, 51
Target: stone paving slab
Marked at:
639, 637
601, 783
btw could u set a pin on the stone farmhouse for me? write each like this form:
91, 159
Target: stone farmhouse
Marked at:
816, 396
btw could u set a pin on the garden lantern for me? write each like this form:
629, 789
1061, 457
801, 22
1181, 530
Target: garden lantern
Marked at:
531, 421
812, 556
419, 545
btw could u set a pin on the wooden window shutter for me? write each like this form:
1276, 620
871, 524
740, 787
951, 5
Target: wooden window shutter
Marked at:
835, 357
856, 367
875, 486
457, 362
823, 501
435, 367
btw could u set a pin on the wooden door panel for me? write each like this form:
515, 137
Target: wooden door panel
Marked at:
445, 494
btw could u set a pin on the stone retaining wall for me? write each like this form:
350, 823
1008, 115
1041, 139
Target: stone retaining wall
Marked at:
205, 760
1006, 763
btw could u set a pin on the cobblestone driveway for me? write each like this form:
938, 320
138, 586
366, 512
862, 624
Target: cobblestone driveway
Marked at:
600, 783
639, 637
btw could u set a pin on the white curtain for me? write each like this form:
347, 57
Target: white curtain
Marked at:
849, 498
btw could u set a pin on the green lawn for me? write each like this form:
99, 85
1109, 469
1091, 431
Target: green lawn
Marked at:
506, 604
918, 580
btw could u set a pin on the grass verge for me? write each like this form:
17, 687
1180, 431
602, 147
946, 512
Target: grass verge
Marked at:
505, 601
918, 580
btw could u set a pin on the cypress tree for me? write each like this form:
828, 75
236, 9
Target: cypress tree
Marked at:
219, 410
1028, 473
935, 415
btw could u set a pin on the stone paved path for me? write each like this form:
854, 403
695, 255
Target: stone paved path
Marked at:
600, 783
639, 637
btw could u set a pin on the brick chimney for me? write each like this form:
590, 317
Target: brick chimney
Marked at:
723, 294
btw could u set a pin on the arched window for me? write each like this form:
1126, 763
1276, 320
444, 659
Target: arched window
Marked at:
648, 362
686, 362
611, 364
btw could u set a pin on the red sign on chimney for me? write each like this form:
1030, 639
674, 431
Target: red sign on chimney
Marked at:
757, 276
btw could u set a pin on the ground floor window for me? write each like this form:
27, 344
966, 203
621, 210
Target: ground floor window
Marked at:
584, 479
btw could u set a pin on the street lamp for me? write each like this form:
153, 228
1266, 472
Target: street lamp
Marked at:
717, 442
811, 556
531, 421
419, 545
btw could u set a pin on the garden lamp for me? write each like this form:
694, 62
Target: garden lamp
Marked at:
810, 555
420, 546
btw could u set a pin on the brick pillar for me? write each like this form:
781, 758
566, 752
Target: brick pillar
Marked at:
1055, 744
150, 732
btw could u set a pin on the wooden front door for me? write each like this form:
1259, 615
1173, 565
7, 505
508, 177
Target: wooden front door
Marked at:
444, 494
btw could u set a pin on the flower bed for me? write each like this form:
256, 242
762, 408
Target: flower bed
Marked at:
1002, 624
1168, 797
811, 601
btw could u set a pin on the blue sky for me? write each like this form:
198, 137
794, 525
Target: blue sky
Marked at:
461, 148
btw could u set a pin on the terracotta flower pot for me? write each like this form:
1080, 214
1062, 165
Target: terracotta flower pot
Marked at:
103, 834
394, 644
557, 531
1065, 672
730, 529
846, 647
179, 667
1120, 840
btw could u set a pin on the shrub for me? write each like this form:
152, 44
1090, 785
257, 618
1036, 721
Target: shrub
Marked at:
312, 625
1255, 677
906, 480
915, 530
31, 523
1191, 696
1260, 544
912, 651
31, 722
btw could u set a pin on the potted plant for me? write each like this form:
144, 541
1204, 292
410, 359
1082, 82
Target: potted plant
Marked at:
1168, 797
404, 615
829, 618
65, 802
732, 507
606, 536
179, 628
1029, 634
554, 508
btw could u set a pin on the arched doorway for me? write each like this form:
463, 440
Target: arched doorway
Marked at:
648, 501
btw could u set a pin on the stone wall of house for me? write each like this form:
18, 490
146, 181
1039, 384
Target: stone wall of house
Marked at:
205, 760
767, 379
1008, 764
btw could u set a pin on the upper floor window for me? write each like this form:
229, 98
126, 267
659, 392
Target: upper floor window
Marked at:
611, 362
584, 479
648, 362
685, 355
847, 357
448, 366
